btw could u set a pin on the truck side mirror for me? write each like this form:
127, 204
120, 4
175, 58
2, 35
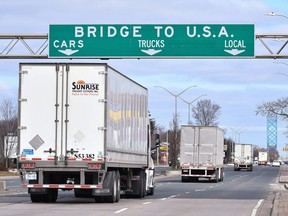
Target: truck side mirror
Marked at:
157, 140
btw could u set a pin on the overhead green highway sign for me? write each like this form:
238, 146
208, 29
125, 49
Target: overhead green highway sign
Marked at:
152, 41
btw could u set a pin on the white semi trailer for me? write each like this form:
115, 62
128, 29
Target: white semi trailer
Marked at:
262, 158
83, 127
201, 153
243, 157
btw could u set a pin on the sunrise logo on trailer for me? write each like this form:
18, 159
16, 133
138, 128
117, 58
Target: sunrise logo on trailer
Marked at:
82, 88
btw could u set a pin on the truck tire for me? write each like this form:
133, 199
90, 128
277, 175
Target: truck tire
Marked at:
216, 176
184, 179
118, 180
36, 198
142, 185
194, 179
113, 188
221, 175
150, 192
50, 197
99, 199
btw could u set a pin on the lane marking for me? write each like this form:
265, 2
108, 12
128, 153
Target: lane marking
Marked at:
199, 190
163, 199
254, 212
145, 203
121, 210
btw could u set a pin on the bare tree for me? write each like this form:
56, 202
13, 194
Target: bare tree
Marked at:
206, 113
8, 128
174, 148
278, 107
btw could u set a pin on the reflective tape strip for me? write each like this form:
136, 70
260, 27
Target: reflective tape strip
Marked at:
61, 186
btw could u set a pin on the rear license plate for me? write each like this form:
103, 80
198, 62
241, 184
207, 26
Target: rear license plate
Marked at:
31, 176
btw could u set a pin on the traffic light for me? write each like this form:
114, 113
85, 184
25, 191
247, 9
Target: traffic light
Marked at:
284, 149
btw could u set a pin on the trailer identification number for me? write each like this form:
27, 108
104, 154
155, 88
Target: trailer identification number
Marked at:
84, 156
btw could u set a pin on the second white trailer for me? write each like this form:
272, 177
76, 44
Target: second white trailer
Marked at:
243, 157
201, 153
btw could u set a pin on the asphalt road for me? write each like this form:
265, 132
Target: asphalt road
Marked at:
239, 194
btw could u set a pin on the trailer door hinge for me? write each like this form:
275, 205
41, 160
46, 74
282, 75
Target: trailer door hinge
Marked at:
22, 100
22, 128
103, 72
102, 128
23, 72
102, 100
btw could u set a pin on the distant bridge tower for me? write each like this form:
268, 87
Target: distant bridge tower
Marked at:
272, 131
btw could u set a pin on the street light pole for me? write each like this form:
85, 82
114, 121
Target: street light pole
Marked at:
174, 156
175, 96
275, 14
189, 106
279, 62
237, 139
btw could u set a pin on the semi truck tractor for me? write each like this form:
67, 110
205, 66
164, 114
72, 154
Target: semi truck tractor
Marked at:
83, 127
262, 158
201, 153
243, 157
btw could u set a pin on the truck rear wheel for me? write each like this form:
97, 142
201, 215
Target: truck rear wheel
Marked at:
150, 192
222, 175
51, 196
184, 179
141, 185
118, 180
216, 176
113, 188
36, 198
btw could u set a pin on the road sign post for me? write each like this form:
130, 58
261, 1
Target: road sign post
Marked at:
152, 41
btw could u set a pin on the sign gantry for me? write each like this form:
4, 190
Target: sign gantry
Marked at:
36, 46
23, 46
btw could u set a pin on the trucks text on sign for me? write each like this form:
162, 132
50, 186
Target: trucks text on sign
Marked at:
151, 41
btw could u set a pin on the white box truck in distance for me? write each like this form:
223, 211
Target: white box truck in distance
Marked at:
83, 127
243, 157
201, 153
262, 158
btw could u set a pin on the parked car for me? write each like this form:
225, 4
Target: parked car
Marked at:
276, 163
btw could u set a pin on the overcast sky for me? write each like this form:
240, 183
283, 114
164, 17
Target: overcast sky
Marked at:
237, 85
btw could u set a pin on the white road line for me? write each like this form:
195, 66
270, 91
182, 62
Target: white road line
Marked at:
121, 210
187, 192
254, 212
199, 190
145, 203
163, 198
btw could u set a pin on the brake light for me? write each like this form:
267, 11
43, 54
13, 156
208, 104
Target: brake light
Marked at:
94, 166
28, 165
